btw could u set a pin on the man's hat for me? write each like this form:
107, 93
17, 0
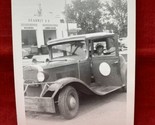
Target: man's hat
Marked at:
99, 45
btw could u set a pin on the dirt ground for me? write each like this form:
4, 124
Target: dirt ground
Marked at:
94, 110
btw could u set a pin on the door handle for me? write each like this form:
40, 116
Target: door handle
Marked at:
115, 62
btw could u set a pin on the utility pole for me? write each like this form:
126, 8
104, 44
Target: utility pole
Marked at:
66, 18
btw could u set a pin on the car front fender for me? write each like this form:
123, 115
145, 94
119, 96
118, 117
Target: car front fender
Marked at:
78, 84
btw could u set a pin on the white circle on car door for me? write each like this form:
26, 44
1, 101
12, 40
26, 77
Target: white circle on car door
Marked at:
104, 69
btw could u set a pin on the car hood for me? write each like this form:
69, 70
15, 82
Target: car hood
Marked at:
57, 63
55, 68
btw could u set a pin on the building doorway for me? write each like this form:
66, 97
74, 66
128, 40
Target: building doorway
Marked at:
28, 38
49, 34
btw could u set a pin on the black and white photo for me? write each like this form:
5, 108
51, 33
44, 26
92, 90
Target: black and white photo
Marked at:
74, 61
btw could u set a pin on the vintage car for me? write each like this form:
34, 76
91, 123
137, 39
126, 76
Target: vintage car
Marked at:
27, 53
74, 67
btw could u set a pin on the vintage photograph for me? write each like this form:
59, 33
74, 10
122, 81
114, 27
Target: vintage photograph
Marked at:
73, 61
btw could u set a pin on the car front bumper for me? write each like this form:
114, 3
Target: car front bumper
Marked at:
40, 104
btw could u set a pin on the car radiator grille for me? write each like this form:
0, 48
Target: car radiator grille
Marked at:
30, 75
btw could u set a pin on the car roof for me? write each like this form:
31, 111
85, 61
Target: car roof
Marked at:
79, 37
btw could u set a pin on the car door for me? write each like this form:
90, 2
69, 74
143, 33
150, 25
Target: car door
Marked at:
106, 67
85, 71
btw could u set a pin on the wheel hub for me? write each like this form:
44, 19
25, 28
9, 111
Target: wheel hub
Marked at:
72, 102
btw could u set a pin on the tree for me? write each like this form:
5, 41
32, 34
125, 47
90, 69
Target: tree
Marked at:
86, 13
115, 12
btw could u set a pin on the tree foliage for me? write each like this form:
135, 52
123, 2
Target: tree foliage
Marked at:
86, 13
115, 12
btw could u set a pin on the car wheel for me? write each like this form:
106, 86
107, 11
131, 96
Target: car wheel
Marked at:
68, 102
29, 56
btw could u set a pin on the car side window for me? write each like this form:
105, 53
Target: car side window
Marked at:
103, 47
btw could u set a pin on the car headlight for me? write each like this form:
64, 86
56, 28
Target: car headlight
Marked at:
41, 76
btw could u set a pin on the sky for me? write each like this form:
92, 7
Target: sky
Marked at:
29, 7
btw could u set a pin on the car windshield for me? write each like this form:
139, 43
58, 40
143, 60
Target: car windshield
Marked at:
73, 49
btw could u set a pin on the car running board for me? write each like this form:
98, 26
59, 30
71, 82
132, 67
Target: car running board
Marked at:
102, 90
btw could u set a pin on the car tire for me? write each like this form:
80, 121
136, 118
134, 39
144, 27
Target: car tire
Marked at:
68, 102
29, 56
